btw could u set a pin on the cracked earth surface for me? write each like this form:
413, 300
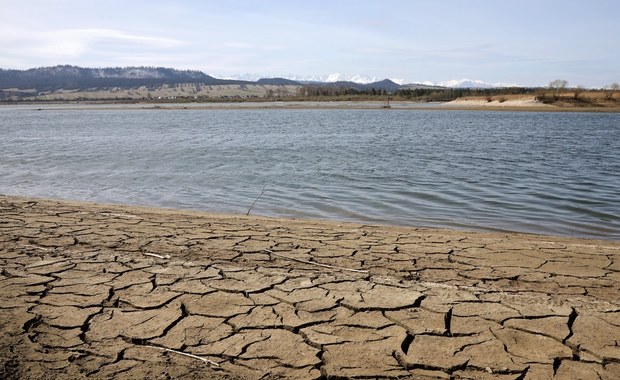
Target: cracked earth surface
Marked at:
124, 292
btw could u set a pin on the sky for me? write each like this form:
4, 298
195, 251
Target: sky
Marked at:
524, 42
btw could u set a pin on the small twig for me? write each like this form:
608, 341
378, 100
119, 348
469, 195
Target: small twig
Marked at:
315, 263
120, 215
207, 361
156, 255
30, 204
34, 246
252, 205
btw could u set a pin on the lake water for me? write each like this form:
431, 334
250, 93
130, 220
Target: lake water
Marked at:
550, 173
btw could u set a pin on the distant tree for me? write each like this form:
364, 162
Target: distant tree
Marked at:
611, 90
577, 92
557, 87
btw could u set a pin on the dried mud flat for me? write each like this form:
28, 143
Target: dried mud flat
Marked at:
122, 292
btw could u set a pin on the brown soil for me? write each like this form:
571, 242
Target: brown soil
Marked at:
124, 292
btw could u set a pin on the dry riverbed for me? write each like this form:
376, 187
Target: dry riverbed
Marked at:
125, 292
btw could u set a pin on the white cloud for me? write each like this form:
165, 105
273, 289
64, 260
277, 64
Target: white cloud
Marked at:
80, 40
239, 45
50, 47
252, 46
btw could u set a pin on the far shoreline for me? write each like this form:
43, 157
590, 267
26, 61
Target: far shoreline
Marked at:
459, 105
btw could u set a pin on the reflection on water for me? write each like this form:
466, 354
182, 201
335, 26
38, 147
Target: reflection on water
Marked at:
554, 173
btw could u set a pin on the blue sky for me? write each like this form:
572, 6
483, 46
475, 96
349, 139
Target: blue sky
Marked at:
526, 42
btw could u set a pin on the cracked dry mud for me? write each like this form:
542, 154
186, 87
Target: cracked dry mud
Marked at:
100, 291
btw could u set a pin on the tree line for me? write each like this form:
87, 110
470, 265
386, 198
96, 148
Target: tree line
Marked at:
417, 94
559, 87
550, 93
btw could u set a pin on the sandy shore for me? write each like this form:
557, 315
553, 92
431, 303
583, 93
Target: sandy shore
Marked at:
526, 104
529, 102
521, 103
124, 292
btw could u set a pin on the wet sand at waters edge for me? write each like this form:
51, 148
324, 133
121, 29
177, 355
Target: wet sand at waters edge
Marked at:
124, 292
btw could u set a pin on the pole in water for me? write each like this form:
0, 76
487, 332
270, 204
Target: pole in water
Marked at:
252, 205
387, 104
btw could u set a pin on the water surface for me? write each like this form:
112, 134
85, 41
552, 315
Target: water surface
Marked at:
551, 173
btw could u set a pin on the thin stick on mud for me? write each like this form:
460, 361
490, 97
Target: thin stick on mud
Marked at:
156, 255
315, 263
34, 246
252, 205
207, 361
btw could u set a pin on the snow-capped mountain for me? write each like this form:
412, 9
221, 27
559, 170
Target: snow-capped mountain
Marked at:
365, 79
330, 78
468, 83
74, 77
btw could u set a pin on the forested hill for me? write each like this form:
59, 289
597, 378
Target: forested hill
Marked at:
79, 78
66, 82
49, 79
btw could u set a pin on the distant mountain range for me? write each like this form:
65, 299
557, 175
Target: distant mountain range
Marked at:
169, 82
362, 79
471, 83
73, 77
331, 78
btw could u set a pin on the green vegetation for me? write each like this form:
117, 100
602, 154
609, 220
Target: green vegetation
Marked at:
431, 94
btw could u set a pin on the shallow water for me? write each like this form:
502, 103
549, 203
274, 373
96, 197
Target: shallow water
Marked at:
551, 173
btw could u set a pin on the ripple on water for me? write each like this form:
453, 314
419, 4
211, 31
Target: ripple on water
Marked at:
556, 173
